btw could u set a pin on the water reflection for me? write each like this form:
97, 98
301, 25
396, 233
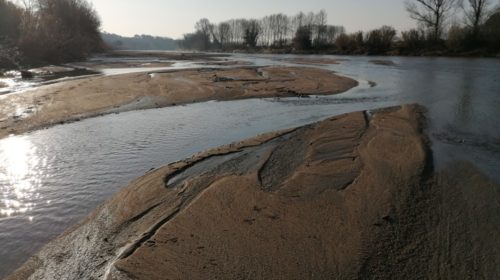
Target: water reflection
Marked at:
19, 181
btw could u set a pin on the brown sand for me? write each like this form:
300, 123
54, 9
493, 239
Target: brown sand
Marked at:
351, 197
73, 100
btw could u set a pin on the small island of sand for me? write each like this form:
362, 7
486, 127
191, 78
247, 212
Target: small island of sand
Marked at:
74, 100
353, 196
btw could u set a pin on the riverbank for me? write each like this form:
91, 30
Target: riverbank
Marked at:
73, 100
326, 200
390, 53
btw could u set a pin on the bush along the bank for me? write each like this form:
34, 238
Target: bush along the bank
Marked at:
310, 33
47, 31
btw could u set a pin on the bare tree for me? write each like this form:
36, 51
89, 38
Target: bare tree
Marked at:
10, 20
412, 40
206, 30
333, 32
476, 13
302, 39
252, 32
59, 30
431, 13
380, 40
298, 21
275, 30
265, 38
282, 26
491, 30
223, 33
320, 22
237, 30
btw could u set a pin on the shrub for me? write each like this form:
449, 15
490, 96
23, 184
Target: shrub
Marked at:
380, 40
55, 31
491, 32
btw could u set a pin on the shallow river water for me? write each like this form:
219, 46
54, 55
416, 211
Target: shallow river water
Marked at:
50, 179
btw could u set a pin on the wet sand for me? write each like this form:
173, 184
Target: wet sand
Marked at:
83, 98
353, 196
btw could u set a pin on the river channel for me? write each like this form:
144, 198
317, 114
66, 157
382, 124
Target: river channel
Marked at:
52, 178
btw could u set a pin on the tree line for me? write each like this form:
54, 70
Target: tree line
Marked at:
274, 31
47, 31
138, 42
38, 32
476, 30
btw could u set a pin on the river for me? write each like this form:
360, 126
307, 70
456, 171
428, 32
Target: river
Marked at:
52, 178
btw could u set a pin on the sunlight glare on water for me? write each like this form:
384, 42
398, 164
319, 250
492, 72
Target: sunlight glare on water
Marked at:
18, 175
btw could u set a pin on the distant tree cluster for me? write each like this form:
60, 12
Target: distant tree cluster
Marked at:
47, 31
377, 41
479, 31
302, 31
139, 42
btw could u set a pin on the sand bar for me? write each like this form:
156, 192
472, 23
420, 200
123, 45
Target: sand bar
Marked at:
354, 196
83, 98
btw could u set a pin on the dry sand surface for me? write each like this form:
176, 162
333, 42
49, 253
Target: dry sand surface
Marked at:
73, 100
351, 197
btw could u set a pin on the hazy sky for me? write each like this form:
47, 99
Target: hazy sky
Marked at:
176, 17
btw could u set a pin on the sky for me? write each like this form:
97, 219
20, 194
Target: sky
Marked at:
173, 18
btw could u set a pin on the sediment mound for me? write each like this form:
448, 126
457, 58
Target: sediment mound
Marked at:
83, 98
354, 196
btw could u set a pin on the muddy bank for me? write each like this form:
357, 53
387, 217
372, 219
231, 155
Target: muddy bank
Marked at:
73, 100
354, 196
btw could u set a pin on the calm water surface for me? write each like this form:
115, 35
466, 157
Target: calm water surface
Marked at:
50, 179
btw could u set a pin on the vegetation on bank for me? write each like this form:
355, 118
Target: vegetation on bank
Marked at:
139, 42
475, 31
47, 31
42, 32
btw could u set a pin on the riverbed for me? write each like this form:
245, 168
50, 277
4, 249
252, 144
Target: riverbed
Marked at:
50, 179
